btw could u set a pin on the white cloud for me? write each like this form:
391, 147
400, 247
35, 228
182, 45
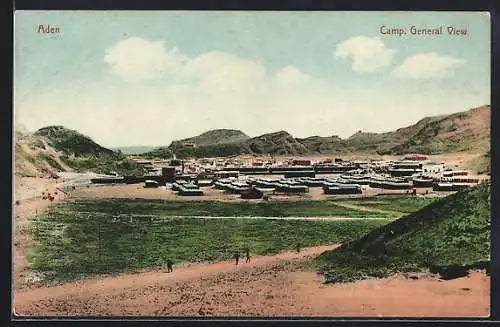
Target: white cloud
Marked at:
368, 54
427, 65
221, 90
291, 75
135, 57
224, 72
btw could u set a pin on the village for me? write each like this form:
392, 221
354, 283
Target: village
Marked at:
266, 178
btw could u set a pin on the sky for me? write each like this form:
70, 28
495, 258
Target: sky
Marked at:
146, 78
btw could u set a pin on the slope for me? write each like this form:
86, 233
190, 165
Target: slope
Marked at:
463, 131
278, 143
448, 236
54, 149
216, 136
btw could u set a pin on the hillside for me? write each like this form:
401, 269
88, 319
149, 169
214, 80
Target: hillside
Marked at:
216, 136
324, 145
70, 142
279, 143
481, 164
54, 149
385, 142
464, 131
214, 143
469, 130
448, 237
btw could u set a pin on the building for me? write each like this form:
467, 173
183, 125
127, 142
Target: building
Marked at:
226, 174
416, 157
432, 168
301, 162
151, 184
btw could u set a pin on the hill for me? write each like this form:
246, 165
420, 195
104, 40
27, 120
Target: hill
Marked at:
279, 143
214, 143
464, 131
324, 145
54, 149
216, 136
383, 143
70, 142
448, 237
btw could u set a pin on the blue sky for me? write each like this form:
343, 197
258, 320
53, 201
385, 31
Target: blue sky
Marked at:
128, 78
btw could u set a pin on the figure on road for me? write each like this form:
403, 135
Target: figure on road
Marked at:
236, 257
169, 265
247, 255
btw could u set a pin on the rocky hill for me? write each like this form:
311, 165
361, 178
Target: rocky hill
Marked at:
464, 131
214, 143
70, 142
279, 143
216, 136
449, 236
54, 149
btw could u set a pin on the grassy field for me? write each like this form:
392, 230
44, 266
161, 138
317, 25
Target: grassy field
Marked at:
448, 236
74, 245
219, 208
402, 204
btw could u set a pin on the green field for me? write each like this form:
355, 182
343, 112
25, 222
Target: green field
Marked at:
219, 208
75, 245
84, 238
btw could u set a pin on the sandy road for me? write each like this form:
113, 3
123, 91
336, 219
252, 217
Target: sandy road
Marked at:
97, 285
280, 285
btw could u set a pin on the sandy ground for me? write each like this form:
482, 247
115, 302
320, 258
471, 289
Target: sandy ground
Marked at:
138, 191
280, 285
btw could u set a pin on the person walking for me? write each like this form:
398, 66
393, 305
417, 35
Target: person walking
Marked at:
247, 255
297, 247
236, 257
169, 266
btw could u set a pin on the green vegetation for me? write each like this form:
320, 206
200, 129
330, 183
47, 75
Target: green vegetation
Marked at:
481, 164
219, 208
449, 235
72, 245
402, 204
105, 164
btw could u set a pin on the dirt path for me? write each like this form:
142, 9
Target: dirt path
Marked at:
363, 208
159, 216
116, 283
280, 285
